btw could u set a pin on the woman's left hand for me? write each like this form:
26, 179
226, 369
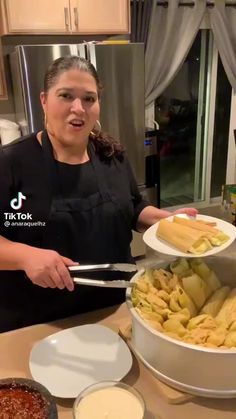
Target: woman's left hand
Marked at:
189, 211
150, 215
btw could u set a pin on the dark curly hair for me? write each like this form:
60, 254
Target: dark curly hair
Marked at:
105, 145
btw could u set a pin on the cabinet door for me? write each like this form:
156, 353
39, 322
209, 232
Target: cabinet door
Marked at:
3, 94
37, 16
3, 90
100, 16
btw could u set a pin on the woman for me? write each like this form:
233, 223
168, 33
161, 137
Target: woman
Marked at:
68, 195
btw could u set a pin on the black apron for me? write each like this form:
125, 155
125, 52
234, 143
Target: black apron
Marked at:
96, 230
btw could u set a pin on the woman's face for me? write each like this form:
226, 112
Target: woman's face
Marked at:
71, 107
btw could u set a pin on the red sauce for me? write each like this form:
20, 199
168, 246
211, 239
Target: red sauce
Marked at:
21, 402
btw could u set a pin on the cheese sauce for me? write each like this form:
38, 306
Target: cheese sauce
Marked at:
110, 403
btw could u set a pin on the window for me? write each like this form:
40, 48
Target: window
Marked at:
193, 114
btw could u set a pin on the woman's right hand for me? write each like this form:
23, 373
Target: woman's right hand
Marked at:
48, 268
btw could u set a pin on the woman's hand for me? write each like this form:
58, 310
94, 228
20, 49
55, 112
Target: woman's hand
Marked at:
150, 215
47, 268
189, 211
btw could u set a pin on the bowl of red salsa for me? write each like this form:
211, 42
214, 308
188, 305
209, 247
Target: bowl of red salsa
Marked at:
22, 398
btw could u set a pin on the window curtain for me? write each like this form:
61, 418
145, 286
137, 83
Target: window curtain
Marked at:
140, 20
223, 24
172, 32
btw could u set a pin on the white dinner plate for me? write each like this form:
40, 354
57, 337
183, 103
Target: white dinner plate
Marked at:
70, 360
161, 246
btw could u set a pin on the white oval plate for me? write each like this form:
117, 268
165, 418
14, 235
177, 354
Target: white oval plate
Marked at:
70, 360
162, 246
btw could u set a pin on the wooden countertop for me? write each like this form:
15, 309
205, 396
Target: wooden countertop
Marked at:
15, 347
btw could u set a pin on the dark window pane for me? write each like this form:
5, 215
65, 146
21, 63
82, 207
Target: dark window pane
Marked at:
221, 131
176, 112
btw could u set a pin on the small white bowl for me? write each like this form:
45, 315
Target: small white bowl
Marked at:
105, 396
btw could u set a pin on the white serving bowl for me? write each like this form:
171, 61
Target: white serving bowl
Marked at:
191, 368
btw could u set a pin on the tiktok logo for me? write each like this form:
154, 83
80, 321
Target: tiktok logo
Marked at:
16, 203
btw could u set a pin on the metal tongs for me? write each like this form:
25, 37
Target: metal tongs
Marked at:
117, 283
121, 269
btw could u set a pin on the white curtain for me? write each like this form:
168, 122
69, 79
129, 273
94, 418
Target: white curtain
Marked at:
223, 24
172, 32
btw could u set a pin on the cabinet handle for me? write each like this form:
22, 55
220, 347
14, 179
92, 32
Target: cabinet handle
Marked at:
76, 17
66, 13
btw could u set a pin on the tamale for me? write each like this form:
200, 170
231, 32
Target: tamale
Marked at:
217, 336
184, 238
181, 267
215, 302
183, 316
219, 239
174, 326
196, 224
195, 287
216, 236
185, 301
228, 308
230, 340
209, 223
196, 321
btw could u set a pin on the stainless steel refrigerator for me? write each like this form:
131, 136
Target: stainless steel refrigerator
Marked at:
121, 70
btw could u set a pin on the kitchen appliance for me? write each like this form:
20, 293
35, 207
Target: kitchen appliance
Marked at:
121, 70
194, 369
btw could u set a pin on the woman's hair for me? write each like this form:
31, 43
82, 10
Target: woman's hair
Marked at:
104, 144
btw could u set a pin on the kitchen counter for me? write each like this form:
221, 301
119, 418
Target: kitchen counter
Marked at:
15, 347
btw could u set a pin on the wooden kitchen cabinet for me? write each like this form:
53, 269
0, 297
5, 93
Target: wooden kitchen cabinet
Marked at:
100, 16
65, 16
34, 16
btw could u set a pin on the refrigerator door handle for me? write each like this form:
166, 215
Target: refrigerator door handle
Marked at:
91, 52
76, 16
66, 14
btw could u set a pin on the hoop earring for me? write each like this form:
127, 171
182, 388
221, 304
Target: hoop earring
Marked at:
45, 121
46, 125
96, 131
